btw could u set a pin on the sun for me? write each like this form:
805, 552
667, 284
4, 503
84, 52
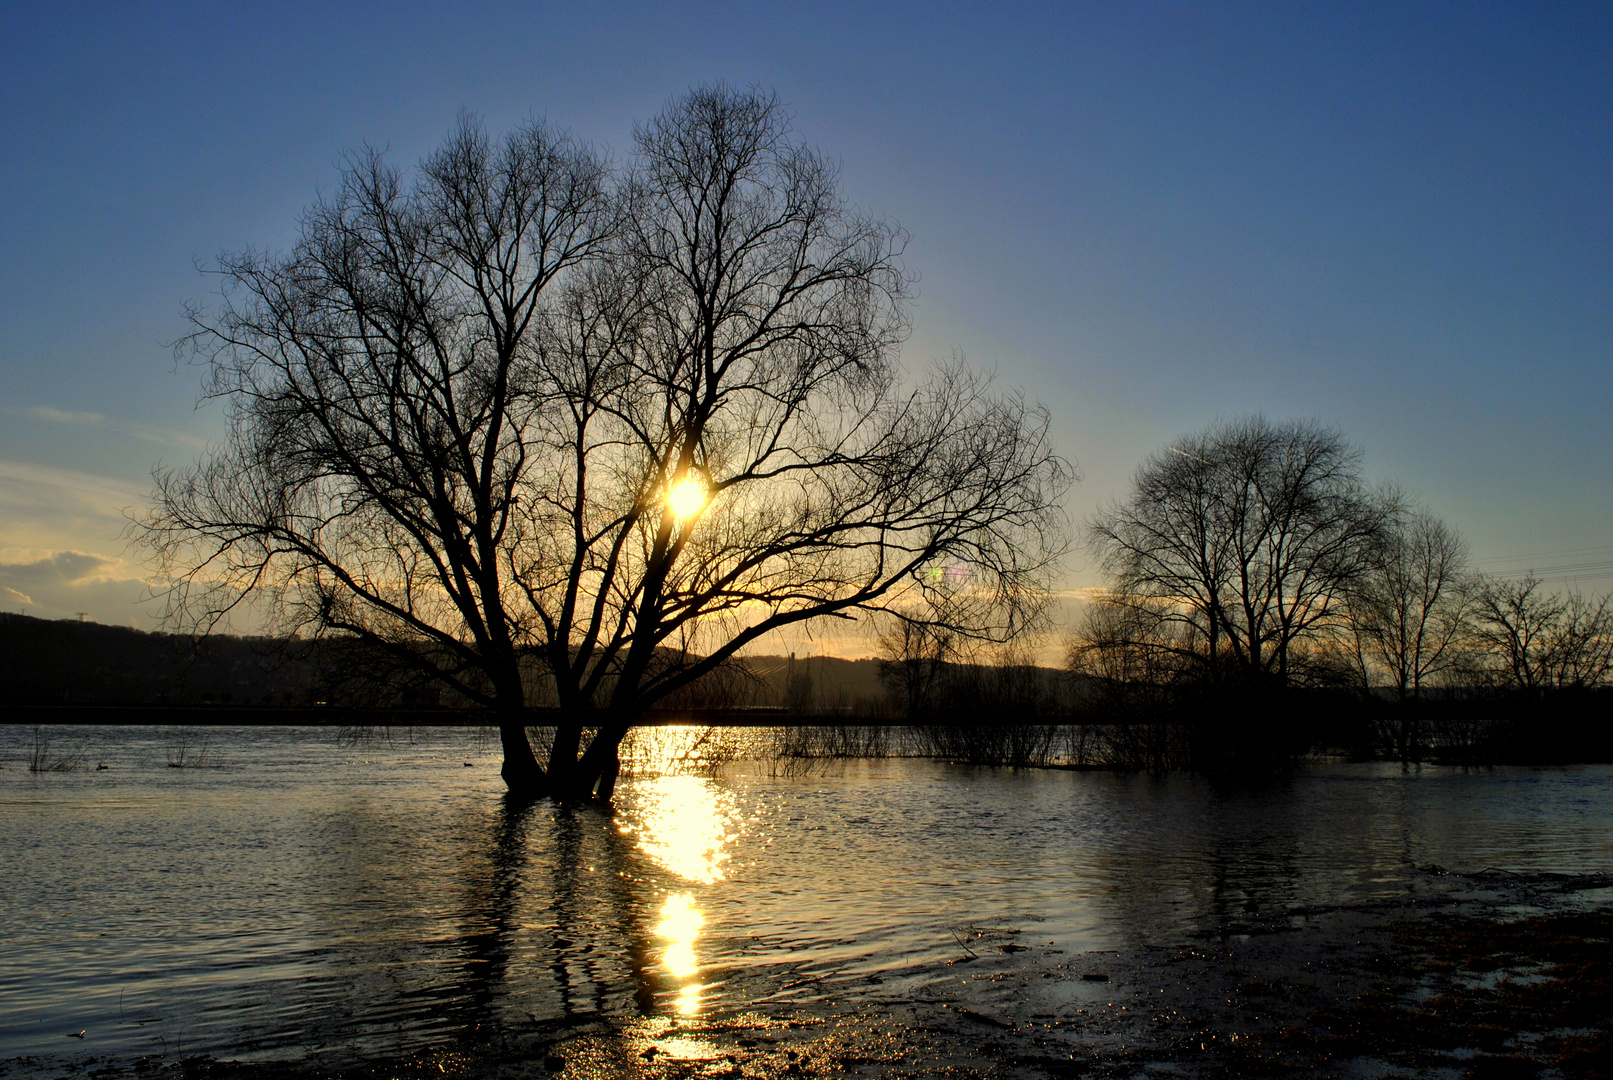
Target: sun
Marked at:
687, 497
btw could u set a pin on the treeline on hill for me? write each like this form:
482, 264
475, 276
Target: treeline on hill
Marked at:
62, 662
65, 662
1266, 601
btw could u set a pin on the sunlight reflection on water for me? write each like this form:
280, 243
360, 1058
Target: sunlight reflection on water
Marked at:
684, 824
680, 925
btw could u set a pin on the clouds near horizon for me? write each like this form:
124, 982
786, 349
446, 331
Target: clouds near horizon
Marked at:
60, 584
62, 546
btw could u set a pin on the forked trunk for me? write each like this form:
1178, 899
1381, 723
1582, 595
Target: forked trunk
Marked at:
601, 763
592, 775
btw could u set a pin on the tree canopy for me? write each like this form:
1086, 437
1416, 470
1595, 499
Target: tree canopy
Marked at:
1239, 543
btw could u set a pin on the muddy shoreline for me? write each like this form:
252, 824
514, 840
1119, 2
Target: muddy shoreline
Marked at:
1486, 975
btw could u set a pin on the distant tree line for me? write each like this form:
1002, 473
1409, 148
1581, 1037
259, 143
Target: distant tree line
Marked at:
1253, 573
67, 662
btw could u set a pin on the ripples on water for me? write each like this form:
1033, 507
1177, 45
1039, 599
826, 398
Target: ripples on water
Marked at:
302, 897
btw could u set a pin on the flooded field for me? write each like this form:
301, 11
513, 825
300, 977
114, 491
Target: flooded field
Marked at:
283, 895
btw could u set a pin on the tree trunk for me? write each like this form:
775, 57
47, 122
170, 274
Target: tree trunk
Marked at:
522, 774
607, 777
563, 753
568, 778
601, 762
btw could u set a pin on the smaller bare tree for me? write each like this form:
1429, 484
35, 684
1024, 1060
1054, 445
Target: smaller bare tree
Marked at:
1410, 609
1126, 649
1247, 536
1537, 641
1130, 661
1409, 614
913, 660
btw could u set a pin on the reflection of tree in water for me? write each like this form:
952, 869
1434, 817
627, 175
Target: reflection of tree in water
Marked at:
510, 914
554, 923
1252, 866
1180, 858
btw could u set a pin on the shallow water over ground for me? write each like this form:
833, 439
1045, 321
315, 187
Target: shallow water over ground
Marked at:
296, 897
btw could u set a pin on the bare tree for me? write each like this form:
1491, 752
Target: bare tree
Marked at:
1240, 542
1409, 617
1409, 610
1582, 649
380, 389
1133, 669
914, 655
1537, 641
620, 425
1129, 650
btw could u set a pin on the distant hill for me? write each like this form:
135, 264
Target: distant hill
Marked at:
61, 662
820, 682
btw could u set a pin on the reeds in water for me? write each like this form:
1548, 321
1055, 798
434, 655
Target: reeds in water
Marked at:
41, 757
186, 750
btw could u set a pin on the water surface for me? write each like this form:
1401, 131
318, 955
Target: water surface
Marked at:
302, 897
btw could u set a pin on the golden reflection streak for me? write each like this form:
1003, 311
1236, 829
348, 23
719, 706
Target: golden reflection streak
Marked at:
680, 924
684, 826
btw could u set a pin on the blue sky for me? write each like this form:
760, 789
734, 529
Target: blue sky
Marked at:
1392, 218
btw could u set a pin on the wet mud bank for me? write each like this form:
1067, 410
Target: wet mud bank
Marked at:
1478, 975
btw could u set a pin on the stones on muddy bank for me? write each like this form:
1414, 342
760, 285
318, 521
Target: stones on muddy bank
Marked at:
982, 1018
